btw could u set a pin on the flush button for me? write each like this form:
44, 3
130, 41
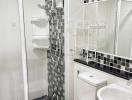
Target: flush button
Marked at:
91, 76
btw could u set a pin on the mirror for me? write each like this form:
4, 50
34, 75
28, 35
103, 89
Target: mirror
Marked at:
97, 29
106, 27
124, 39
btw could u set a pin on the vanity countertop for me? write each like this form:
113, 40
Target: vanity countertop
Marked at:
105, 68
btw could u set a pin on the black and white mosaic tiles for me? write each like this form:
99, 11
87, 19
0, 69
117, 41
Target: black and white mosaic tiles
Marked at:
48, 7
112, 64
56, 55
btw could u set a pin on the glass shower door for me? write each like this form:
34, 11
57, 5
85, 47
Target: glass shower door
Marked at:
36, 32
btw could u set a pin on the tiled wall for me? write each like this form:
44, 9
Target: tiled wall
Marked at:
113, 61
112, 64
56, 66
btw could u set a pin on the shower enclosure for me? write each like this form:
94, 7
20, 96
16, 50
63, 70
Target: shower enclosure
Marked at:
37, 37
23, 55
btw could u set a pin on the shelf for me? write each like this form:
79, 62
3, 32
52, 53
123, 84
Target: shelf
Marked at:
39, 37
40, 47
40, 42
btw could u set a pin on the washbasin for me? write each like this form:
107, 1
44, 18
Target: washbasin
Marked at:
119, 91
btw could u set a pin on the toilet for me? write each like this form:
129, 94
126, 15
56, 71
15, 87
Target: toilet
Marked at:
88, 84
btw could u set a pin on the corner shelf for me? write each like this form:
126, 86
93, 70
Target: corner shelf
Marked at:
40, 42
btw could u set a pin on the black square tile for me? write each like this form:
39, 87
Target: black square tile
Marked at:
115, 61
115, 58
130, 61
122, 72
98, 60
93, 52
104, 61
111, 69
102, 54
119, 58
130, 69
105, 58
118, 71
127, 74
85, 1
127, 60
104, 67
99, 57
111, 64
114, 70
130, 75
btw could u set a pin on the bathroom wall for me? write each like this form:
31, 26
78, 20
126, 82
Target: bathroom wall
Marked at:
11, 76
56, 64
36, 58
78, 14
73, 15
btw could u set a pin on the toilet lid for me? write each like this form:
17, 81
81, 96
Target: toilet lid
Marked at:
91, 78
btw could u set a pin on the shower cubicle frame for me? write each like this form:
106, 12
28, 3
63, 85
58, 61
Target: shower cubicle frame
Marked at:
24, 52
23, 49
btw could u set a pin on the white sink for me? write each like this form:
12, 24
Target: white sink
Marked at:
119, 91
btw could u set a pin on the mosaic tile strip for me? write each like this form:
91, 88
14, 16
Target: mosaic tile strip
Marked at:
55, 53
48, 5
112, 64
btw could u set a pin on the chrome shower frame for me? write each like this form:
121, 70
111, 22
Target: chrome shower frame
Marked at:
23, 49
117, 28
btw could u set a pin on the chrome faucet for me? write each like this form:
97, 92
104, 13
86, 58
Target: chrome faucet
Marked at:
129, 82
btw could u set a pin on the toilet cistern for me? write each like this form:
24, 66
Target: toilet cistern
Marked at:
87, 85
